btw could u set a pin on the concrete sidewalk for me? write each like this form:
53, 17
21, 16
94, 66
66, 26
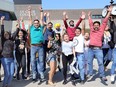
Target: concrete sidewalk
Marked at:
58, 78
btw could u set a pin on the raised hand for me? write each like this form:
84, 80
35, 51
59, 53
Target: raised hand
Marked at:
83, 15
64, 13
29, 8
17, 26
66, 17
21, 19
89, 14
40, 8
45, 14
110, 8
48, 14
2, 18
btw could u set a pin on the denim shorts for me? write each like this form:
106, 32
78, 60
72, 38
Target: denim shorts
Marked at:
50, 58
53, 59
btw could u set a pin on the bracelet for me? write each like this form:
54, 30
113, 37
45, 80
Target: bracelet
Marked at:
41, 11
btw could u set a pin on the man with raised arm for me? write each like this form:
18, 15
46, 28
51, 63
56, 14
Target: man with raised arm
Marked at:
36, 41
71, 28
96, 35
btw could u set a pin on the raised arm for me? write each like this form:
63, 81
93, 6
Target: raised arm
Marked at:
41, 16
83, 24
80, 20
48, 17
45, 18
16, 32
2, 30
90, 21
104, 23
65, 18
22, 23
30, 16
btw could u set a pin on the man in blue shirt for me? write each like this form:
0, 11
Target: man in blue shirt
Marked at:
36, 40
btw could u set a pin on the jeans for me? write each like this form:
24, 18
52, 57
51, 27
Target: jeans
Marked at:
114, 62
99, 55
8, 66
15, 63
107, 56
40, 61
80, 62
0, 69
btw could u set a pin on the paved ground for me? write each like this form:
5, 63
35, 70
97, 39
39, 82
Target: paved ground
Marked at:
58, 78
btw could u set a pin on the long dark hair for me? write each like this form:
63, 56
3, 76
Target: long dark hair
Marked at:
24, 34
7, 32
59, 41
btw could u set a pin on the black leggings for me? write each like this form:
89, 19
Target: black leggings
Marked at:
28, 62
65, 61
105, 52
0, 70
21, 60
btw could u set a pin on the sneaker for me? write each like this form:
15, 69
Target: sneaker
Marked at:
89, 77
73, 83
18, 78
112, 78
82, 82
14, 77
64, 82
40, 81
24, 77
34, 80
0, 80
104, 78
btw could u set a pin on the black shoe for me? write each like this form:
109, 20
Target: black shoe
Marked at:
18, 78
64, 82
59, 68
112, 82
34, 80
14, 77
41, 81
24, 77
103, 78
82, 82
89, 77
73, 83
0, 80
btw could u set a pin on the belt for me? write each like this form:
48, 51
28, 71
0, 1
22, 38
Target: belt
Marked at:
94, 47
37, 44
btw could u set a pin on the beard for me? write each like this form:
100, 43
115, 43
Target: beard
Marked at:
72, 25
96, 28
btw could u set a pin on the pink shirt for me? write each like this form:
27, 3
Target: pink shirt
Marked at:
96, 36
71, 31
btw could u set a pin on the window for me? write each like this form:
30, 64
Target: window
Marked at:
96, 16
6, 14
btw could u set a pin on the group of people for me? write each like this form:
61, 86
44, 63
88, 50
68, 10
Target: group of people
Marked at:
41, 44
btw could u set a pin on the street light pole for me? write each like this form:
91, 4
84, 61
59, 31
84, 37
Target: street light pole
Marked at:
111, 1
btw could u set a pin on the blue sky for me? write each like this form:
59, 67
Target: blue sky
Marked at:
74, 4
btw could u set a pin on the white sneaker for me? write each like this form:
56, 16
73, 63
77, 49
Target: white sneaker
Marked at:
112, 78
